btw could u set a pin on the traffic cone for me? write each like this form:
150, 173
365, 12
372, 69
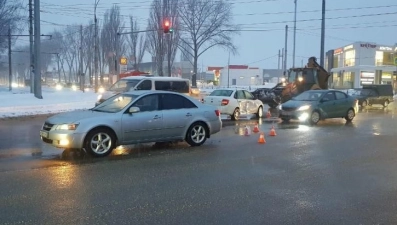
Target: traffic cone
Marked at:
247, 131
261, 139
256, 128
272, 132
268, 114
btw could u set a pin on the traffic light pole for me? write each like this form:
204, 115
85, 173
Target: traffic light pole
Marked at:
117, 57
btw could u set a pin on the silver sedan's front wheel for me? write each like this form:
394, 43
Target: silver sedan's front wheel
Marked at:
100, 142
196, 134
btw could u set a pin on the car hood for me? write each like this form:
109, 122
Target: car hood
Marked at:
297, 104
74, 116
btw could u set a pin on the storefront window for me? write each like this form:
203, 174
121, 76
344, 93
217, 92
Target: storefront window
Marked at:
337, 60
387, 77
348, 79
350, 58
378, 58
367, 77
384, 58
335, 80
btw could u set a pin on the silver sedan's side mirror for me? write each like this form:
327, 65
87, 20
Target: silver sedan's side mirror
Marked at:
134, 110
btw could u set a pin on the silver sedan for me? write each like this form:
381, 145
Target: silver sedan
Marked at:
130, 118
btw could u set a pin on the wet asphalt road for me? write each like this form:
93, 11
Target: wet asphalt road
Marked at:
332, 173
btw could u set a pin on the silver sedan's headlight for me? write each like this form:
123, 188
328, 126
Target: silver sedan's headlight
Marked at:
67, 126
305, 107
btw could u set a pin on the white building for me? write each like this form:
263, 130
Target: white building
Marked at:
240, 75
361, 63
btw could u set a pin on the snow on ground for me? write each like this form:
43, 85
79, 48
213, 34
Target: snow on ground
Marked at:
20, 102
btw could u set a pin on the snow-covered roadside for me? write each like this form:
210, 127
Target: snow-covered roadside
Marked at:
20, 102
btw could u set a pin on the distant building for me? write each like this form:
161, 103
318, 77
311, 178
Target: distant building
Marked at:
240, 75
272, 75
361, 63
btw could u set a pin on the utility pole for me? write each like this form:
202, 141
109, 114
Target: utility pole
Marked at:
37, 51
293, 50
278, 63
116, 60
228, 71
59, 70
285, 50
82, 77
322, 35
9, 59
282, 59
96, 47
31, 58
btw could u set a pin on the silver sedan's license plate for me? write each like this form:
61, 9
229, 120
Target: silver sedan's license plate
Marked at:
44, 133
285, 113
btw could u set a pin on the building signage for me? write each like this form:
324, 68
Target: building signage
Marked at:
367, 78
348, 47
338, 51
368, 45
382, 48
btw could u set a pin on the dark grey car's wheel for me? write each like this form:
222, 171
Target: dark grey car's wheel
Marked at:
386, 103
350, 115
100, 142
236, 114
196, 134
315, 117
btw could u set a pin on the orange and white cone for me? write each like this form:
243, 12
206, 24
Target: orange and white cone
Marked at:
247, 131
272, 132
261, 139
256, 128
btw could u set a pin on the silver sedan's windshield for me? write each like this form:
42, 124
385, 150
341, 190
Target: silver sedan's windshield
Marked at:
115, 103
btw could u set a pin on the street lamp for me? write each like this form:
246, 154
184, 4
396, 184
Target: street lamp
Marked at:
293, 50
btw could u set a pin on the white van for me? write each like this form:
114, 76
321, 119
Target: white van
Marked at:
132, 83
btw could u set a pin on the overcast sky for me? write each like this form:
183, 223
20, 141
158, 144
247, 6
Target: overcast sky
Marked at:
347, 21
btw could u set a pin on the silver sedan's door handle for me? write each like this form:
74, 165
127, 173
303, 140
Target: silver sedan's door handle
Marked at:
188, 114
156, 117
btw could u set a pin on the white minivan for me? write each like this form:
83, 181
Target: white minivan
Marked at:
132, 83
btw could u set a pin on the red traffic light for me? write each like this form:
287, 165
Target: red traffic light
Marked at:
166, 26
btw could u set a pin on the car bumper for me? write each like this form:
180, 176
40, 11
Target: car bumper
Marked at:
63, 139
215, 126
297, 115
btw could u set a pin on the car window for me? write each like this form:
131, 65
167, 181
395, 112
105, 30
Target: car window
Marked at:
170, 101
340, 95
148, 103
145, 85
329, 96
225, 93
240, 95
248, 95
180, 86
162, 85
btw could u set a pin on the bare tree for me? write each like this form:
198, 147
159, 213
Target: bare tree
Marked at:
172, 39
70, 46
137, 44
163, 46
111, 42
21, 56
155, 37
206, 24
9, 18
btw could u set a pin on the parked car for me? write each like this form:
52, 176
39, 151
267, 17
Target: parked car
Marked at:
369, 95
235, 102
125, 84
269, 96
133, 117
316, 105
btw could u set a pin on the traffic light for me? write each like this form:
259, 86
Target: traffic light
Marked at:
166, 27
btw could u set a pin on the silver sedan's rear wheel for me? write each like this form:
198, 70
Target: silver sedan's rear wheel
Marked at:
100, 142
196, 134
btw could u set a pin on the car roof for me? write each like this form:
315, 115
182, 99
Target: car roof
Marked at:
141, 92
153, 78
